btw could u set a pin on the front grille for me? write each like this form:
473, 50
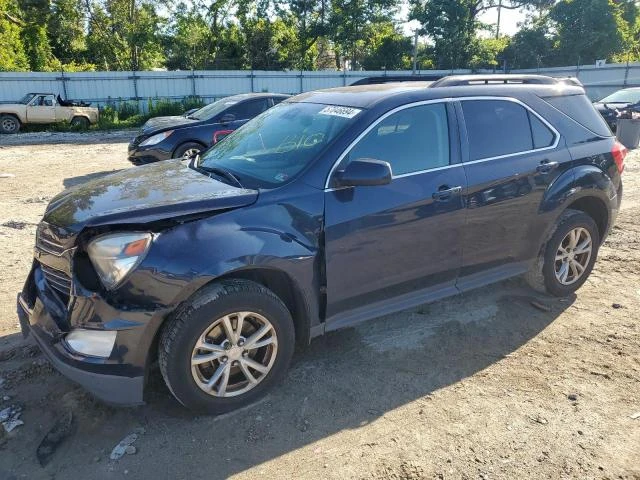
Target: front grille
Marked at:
57, 279
46, 242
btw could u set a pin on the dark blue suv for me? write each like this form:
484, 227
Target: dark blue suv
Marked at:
327, 210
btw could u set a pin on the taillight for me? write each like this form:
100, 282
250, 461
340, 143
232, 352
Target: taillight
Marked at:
619, 151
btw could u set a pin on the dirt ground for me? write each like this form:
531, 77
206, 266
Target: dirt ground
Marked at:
481, 386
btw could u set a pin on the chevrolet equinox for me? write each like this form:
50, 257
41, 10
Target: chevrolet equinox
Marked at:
327, 210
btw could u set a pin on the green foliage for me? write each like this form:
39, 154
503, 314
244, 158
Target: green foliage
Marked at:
587, 30
86, 35
12, 52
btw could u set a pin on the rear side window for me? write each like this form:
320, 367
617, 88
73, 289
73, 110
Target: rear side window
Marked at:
580, 109
542, 136
250, 109
496, 127
411, 140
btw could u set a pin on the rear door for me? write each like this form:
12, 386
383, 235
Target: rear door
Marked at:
512, 156
386, 241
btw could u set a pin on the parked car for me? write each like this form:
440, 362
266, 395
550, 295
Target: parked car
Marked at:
44, 108
327, 210
162, 138
620, 100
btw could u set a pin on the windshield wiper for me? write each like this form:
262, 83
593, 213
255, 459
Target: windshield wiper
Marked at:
220, 172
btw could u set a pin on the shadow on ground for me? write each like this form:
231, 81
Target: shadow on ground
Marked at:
343, 381
69, 138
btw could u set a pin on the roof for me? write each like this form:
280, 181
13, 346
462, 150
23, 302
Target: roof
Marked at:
366, 96
243, 96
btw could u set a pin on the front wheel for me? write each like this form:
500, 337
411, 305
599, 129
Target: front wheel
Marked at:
567, 258
226, 347
188, 150
9, 124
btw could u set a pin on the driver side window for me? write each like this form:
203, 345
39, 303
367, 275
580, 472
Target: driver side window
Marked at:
411, 140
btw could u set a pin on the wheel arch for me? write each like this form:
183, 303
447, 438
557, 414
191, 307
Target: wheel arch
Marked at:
191, 140
596, 208
278, 281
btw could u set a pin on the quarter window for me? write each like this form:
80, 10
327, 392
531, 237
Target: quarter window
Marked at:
500, 127
411, 140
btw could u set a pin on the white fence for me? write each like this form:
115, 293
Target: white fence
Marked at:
104, 87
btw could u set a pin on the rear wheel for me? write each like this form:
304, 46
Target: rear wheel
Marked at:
227, 346
567, 258
9, 124
188, 150
80, 122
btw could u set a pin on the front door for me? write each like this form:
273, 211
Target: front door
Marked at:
394, 240
42, 109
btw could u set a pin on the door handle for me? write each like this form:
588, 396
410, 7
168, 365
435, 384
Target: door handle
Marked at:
444, 192
546, 166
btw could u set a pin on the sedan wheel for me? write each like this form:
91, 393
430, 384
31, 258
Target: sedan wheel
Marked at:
190, 153
234, 354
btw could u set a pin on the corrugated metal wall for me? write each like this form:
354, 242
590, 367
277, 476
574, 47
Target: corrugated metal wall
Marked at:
103, 87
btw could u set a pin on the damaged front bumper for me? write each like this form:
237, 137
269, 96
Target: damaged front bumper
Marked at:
116, 379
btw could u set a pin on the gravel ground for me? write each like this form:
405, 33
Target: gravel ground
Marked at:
483, 385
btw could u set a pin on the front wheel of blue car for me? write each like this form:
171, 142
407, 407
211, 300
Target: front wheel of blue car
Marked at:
227, 346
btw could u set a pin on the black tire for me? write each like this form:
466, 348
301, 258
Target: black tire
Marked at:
542, 275
9, 124
182, 150
180, 334
81, 123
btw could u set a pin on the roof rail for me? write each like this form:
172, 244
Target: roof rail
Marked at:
461, 80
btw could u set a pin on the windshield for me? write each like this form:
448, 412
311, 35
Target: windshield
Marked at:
24, 100
623, 96
276, 145
209, 111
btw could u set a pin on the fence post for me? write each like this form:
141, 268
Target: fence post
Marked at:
344, 77
252, 76
135, 89
193, 82
626, 72
64, 83
301, 82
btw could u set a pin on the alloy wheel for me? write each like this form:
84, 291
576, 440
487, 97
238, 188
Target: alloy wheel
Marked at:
573, 255
189, 153
234, 354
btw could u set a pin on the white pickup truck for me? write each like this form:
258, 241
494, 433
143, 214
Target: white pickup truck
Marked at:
44, 108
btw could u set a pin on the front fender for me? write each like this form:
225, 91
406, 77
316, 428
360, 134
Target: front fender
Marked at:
20, 112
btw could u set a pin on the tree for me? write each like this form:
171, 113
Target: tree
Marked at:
387, 48
12, 54
352, 24
587, 30
66, 31
453, 25
531, 47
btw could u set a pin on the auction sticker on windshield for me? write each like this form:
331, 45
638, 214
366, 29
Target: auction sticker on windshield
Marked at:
346, 112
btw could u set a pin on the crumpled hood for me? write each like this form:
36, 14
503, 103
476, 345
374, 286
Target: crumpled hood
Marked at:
162, 123
143, 194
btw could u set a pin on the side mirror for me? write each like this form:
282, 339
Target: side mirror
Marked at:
364, 172
227, 118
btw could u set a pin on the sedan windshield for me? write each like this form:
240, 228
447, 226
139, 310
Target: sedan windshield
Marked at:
278, 144
623, 96
209, 111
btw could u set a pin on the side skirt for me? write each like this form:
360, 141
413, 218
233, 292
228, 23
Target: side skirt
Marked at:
419, 297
